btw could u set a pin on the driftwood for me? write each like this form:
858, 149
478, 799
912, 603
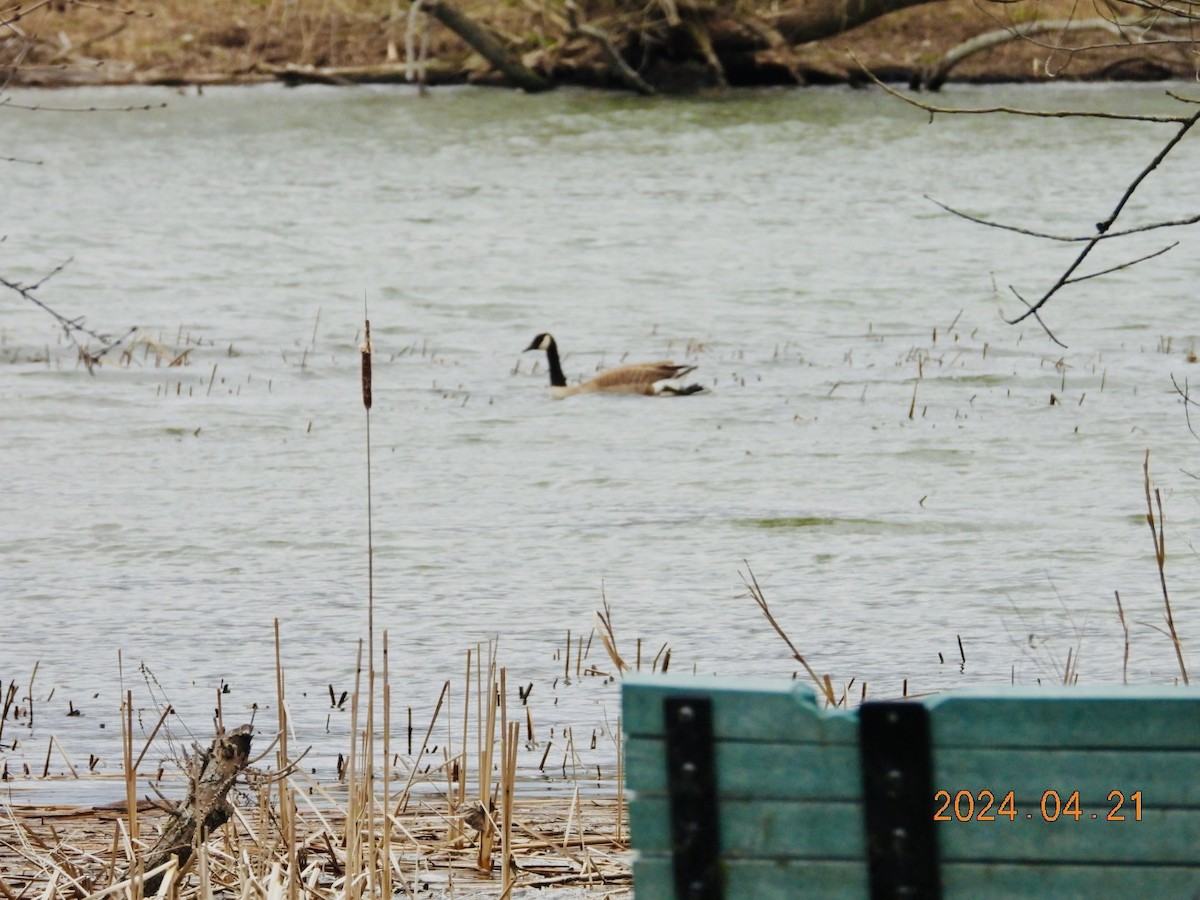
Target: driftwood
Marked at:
211, 775
381, 73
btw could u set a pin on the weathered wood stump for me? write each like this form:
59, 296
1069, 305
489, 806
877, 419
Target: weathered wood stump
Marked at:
211, 774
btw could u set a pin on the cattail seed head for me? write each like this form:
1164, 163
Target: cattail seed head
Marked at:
365, 349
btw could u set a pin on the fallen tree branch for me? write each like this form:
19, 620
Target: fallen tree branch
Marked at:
934, 76
624, 72
212, 773
487, 45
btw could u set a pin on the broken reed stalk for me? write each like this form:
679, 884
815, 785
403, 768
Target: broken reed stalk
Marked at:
1158, 535
386, 867
512, 736
620, 784
154, 733
607, 636
130, 769
460, 797
486, 741
32, 677
10, 697
756, 594
402, 802
1125, 628
287, 825
353, 804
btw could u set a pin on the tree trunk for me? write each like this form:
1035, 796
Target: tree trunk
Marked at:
817, 19
212, 774
487, 45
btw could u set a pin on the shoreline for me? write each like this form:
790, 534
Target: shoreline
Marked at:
185, 45
354, 77
293, 75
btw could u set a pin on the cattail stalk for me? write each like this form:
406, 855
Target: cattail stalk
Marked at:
369, 761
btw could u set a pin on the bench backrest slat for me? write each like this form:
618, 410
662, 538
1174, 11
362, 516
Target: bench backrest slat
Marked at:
1034, 783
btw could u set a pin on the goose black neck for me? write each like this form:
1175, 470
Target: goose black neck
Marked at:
556, 372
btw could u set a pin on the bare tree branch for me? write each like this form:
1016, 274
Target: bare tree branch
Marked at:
70, 327
1046, 328
1188, 402
1045, 235
1032, 308
1102, 227
1011, 110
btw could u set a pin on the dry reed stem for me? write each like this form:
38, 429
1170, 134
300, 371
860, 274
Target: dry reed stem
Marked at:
607, 635
512, 736
545, 852
825, 686
274, 849
412, 774
386, 870
1158, 535
486, 741
130, 769
353, 801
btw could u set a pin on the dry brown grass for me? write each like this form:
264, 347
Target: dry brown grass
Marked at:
566, 841
421, 821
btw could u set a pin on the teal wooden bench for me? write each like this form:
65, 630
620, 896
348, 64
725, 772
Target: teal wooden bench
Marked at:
748, 788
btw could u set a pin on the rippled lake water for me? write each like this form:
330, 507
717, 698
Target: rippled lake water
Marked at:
897, 466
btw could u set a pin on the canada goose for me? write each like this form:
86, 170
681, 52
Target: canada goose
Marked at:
637, 378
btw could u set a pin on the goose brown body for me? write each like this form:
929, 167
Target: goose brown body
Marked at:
635, 378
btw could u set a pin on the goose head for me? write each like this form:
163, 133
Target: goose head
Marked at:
543, 341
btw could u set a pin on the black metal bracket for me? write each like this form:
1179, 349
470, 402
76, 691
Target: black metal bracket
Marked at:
692, 787
897, 770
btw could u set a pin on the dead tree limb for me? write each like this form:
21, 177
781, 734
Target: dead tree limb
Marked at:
697, 32
487, 45
935, 75
212, 773
624, 72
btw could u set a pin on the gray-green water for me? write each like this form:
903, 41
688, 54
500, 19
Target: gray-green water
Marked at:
779, 240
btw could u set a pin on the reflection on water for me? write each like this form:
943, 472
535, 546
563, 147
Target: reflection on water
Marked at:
897, 466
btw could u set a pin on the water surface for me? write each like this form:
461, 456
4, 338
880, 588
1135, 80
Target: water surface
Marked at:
897, 466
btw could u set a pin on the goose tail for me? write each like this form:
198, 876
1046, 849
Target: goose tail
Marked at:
672, 391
